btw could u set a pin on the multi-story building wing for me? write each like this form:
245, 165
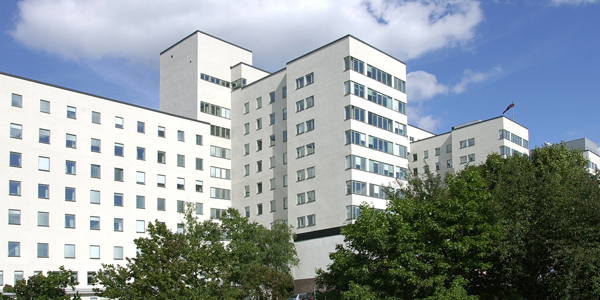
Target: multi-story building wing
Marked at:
83, 175
590, 151
468, 143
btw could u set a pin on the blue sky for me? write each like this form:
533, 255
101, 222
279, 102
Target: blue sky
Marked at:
466, 59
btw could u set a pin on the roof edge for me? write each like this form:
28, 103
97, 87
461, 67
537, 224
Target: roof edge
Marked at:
210, 35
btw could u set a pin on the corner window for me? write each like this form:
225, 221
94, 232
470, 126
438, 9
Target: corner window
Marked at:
119, 122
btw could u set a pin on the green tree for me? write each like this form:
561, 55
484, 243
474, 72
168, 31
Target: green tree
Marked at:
550, 205
51, 286
432, 239
230, 259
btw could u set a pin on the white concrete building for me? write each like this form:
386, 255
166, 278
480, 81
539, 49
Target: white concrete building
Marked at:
468, 143
590, 151
83, 175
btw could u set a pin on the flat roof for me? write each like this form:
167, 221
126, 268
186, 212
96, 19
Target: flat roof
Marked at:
100, 97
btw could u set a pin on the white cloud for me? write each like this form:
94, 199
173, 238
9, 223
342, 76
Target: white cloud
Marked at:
421, 86
427, 122
574, 2
473, 77
277, 31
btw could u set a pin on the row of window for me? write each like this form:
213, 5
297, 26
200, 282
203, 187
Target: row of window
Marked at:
214, 80
510, 152
305, 150
215, 110
374, 190
310, 78
305, 127
374, 73
351, 87
307, 221
259, 100
357, 113
220, 131
505, 134
304, 174
360, 163
375, 143
305, 104
43, 251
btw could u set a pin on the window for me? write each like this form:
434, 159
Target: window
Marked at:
310, 196
95, 171
71, 112
141, 127
95, 145
471, 142
284, 92
437, 151
44, 136
199, 208
199, 164
426, 154
352, 212
471, 157
258, 123
69, 221
94, 223
140, 226
449, 163
118, 252
462, 144
95, 252
119, 122
247, 191
118, 149
300, 128
215, 110
95, 117
449, 148
300, 175
310, 78
273, 205
118, 174
272, 119
43, 163
285, 180
90, 280
310, 172
14, 188
42, 250
271, 184
285, 113
198, 140
246, 149
310, 125
14, 217
300, 82
285, 203
246, 170
161, 157
44, 106
220, 173
300, 105
118, 199
1, 278
271, 162
258, 102
180, 136
259, 166
246, 128
71, 141
69, 194
437, 166
402, 173
259, 209
354, 64
285, 158
17, 100
43, 219
272, 140
220, 131
301, 222
180, 206
140, 202
285, 136
16, 131
118, 224
161, 131
181, 160
463, 159
356, 187
246, 107
15, 159
180, 183
70, 167
310, 149
140, 177
219, 193
180, 228
95, 197
312, 220
217, 213
259, 188
18, 276
247, 211
272, 97
160, 204
43, 191
354, 88
14, 249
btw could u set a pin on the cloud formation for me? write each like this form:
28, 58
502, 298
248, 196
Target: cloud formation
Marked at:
473, 77
427, 122
422, 86
277, 31
574, 2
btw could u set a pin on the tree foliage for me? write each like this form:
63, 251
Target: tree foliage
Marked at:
510, 228
52, 286
230, 259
